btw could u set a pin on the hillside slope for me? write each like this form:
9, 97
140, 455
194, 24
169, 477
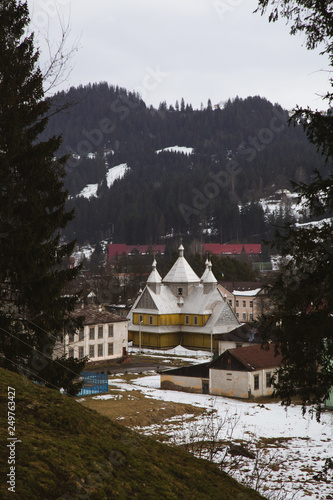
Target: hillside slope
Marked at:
234, 154
68, 451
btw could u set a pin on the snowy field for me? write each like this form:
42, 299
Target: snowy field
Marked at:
289, 448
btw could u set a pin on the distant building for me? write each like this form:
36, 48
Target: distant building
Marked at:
118, 249
248, 299
104, 336
181, 309
252, 250
242, 336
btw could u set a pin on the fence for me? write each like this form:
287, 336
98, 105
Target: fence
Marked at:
93, 383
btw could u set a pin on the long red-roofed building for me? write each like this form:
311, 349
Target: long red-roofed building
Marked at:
233, 249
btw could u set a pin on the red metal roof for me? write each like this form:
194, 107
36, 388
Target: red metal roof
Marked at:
254, 357
232, 249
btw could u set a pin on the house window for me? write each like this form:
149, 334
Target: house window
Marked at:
237, 303
91, 351
180, 291
251, 316
110, 330
244, 303
150, 320
251, 303
268, 379
187, 320
244, 316
195, 319
230, 302
100, 332
92, 333
81, 352
229, 377
256, 381
81, 334
237, 314
110, 349
71, 337
239, 345
100, 350
140, 318
71, 352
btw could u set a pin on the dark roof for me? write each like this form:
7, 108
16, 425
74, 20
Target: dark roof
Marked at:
92, 316
115, 249
243, 333
253, 357
201, 371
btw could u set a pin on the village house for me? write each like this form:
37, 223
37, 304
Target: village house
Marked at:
243, 372
249, 300
242, 336
250, 250
104, 336
182, 309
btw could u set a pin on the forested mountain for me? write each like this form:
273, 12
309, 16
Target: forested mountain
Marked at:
242, 150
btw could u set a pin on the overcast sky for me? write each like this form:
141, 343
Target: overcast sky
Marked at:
195, 49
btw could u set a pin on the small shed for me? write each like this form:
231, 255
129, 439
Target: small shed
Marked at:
193, 378
244, 372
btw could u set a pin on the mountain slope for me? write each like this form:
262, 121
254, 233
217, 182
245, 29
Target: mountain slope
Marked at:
67, 451
189, 170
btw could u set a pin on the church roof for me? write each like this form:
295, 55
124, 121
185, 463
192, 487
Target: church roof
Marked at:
208, 276
181, 271
154, 276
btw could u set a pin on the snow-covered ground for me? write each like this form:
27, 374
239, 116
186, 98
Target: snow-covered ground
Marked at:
113, 174
295, 445
177, 149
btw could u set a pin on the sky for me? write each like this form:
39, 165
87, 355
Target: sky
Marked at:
172, 49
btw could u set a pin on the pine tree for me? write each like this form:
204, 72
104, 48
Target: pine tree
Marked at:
303, 294
33, 307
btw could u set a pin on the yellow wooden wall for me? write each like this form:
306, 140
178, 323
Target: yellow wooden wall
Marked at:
170, 319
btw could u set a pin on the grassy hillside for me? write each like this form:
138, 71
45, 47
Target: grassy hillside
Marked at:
68, 451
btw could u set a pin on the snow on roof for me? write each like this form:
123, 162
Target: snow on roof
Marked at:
177, 149
246, 293
154, 276
181, 271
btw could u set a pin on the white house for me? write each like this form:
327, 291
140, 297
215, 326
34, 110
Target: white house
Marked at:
244, 372
104, 336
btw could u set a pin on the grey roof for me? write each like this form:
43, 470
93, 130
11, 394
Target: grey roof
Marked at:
181, 271
154, 276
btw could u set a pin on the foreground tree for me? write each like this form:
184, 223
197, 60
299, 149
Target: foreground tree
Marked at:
33, 308
303, 293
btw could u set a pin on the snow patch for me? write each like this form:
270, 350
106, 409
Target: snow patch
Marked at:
177, 149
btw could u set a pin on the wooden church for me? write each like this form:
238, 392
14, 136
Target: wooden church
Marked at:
180, 309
